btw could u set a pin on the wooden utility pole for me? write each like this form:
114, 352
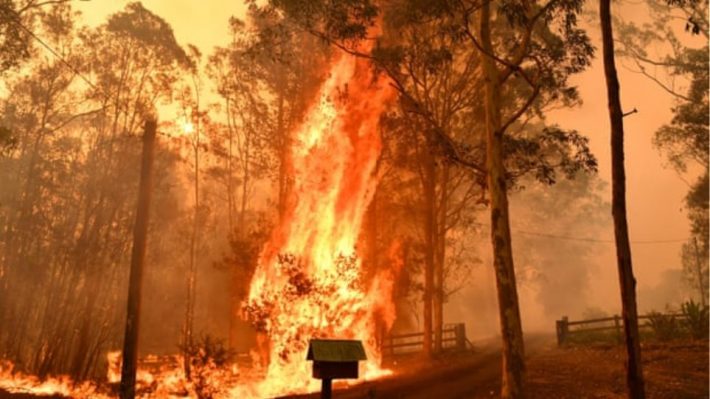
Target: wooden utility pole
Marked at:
135, 283
634, 375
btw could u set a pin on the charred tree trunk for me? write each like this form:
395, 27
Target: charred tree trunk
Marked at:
194, 240
231, 202
140, 232
429, 252
373, 258
442, 210
509, 311
702, 290
231, 205
634, 375
192, 272
81, 352
283, 157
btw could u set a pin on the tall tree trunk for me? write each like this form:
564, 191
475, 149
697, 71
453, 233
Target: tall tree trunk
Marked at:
509, 311
192, 272
702, 289
283, 157
140, 232
246, 178
439, 264
194, 240
634, 375
231, 205
429, 251
373, 256
81, 352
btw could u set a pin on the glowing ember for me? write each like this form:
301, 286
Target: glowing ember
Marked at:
15, 382
309, 283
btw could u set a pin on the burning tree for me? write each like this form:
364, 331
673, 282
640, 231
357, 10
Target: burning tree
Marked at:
309, 282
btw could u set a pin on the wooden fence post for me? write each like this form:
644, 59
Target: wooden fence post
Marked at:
617, 325
562, 330
460, 332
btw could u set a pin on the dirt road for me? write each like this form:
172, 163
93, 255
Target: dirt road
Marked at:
471, 376
476, 376
672, 370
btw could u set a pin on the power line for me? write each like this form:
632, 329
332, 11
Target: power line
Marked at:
59, 57
49, 48
587, 239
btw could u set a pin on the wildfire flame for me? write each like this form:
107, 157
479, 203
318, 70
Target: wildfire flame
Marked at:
309, 282
19, 383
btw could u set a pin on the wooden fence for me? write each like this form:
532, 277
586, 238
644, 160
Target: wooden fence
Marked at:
566, 329
453, 338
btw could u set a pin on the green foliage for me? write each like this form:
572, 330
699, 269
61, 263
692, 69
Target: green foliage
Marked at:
685, 139
665, 327
343, 20
18, 18
68, 190
148, 30
14, 46
696, 319
694, 257
546, 154
696, 22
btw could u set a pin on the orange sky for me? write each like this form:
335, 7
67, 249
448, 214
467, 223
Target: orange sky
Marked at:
655, 193
203, 23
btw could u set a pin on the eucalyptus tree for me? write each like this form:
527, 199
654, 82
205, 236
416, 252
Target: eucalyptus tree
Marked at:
68, 226
134, 63
38, 105
627, 282
528, 59
291, 64
681, 70
245, 148
239, 77
18, 20
439, 75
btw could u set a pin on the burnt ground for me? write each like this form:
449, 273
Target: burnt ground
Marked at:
675, 370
